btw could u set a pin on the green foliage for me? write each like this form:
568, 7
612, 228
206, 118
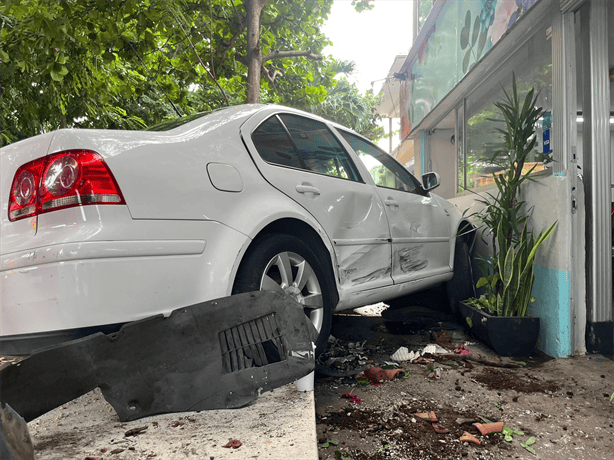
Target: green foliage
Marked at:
330, 442
509, 277
527, 445
345, 105
508, 433
362, 5
126, 64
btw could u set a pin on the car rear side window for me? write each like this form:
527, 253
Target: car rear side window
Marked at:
303, 143
384, 170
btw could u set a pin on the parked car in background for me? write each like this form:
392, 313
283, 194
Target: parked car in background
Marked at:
100, 227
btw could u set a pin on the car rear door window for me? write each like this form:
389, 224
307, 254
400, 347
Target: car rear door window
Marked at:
303, 143
383, 169
275, 146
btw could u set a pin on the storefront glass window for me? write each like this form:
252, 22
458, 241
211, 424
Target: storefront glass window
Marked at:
532, 65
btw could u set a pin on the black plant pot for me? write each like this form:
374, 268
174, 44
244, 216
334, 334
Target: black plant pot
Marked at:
506, 335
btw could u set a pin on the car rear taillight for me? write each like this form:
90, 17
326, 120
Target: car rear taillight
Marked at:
62, 180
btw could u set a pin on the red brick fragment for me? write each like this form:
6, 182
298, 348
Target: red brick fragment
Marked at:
468, 437
485, 428
377, 374
428, 416
440, 429
235, 444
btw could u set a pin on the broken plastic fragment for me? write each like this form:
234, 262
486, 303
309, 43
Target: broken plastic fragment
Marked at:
485, 428
434, 349
468, 437
235, 444
436, 374
428, 416
402, 354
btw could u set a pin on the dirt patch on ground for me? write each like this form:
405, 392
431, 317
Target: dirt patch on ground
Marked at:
496, 379
397, 431
564, 404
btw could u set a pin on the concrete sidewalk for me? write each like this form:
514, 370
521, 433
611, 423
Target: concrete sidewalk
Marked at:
281, 424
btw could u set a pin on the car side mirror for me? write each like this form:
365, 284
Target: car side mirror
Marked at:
430, 180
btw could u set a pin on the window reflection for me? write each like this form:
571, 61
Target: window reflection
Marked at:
532, 66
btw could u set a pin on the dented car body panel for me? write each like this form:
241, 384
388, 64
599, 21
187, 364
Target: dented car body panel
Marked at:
350, 211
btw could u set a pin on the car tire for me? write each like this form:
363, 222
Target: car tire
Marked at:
461, 286
283, 263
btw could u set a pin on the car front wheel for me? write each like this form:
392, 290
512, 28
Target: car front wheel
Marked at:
460, 287
283, 263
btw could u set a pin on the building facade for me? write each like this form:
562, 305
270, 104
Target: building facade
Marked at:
462, 60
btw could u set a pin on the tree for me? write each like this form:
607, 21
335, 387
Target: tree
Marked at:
345, 105
126, 64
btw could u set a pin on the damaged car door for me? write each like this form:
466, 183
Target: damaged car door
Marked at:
301, 157
420, 228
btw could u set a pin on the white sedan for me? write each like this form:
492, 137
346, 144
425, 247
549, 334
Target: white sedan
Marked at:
99, 227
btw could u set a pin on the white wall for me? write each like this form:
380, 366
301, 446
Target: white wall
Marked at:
443, 161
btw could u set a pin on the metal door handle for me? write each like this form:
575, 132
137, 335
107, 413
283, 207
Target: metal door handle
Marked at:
391, 203
307, 189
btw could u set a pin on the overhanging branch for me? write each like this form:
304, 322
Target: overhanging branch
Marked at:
270, 76
283, 54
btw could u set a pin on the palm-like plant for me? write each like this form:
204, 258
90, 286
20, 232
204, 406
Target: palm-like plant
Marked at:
508, 279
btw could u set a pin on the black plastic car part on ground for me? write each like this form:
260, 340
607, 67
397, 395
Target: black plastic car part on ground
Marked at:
214, 355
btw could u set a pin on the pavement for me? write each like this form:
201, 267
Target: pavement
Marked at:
280, 424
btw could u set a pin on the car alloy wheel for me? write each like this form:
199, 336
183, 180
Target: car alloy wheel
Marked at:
291, 274
283, 263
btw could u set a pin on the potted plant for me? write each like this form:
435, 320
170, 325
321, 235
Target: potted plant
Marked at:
499, 315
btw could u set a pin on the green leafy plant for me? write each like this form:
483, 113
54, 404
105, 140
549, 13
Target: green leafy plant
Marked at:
342, 455
508, 272
527, 445
508, 433
330, 442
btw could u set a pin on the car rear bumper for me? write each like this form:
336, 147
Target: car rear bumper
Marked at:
72, 286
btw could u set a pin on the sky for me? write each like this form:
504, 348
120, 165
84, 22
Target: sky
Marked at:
371, 39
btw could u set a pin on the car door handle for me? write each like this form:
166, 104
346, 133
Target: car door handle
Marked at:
390, 202
307, 189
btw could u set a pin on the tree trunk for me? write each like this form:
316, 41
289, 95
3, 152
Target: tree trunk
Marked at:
253, 8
